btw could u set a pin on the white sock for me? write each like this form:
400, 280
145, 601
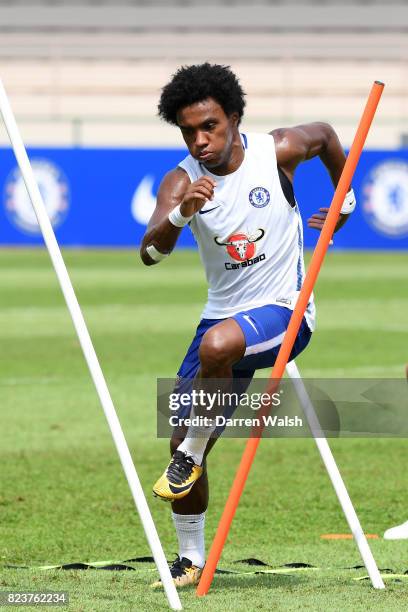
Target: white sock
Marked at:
195, 442
190, 533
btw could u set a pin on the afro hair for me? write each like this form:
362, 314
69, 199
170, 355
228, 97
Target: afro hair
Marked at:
192, 84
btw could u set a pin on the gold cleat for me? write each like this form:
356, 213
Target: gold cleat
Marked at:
183, 573
178, 478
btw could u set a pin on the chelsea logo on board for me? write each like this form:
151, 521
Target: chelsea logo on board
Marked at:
259, 197
53, 187
385, 203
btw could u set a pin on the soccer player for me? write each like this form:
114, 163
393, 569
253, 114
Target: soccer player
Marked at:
235, 192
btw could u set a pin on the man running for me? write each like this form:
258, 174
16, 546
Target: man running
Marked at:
235, 192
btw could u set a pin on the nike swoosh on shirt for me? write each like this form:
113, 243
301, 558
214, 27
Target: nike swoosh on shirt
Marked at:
203, 212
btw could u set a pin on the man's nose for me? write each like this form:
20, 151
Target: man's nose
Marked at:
201, 139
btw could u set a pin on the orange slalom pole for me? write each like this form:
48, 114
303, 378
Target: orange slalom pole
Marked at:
292, 331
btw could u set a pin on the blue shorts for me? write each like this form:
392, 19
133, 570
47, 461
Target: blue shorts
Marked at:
264, 329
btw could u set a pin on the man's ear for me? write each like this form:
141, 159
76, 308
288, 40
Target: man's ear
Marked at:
234, 119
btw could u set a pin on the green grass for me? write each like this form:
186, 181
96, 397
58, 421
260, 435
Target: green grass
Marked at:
63, 496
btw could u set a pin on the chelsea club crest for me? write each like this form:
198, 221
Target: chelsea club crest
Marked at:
53, 187
385, 198
259, 197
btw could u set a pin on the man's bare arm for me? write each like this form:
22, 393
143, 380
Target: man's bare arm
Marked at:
294, 145
175, 189
160, 232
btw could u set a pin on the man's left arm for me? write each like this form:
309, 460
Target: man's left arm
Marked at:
294, 145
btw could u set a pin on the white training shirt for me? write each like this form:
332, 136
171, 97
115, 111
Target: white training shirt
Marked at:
249, 237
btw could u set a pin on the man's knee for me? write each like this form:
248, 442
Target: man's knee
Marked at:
215, 350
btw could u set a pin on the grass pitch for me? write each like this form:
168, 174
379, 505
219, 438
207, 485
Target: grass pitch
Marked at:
63, 496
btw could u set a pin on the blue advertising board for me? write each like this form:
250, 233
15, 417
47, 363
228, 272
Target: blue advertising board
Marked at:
104, 197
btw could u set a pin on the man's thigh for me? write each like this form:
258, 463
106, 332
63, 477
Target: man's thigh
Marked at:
264, 329
191, 363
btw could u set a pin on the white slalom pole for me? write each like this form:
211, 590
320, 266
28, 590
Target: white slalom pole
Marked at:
88, 350
335, 476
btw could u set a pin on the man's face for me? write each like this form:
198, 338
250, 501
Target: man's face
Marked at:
207, 131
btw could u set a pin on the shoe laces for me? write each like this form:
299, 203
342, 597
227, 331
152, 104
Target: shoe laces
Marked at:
179, 567
180, 468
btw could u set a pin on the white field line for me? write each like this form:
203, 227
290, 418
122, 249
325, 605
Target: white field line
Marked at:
390, 371
35, 322
121, 380
17, 382
89, 278
377, 272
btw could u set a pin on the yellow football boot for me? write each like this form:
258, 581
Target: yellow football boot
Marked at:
178, 478
183, 573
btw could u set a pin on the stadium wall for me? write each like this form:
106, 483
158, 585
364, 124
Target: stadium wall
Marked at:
104, 197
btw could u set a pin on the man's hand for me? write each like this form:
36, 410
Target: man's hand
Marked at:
175, 190
317, 220
197, 194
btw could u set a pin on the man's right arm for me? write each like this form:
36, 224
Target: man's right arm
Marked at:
175, 190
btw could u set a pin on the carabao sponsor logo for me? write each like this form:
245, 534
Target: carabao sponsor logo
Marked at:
240, 246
